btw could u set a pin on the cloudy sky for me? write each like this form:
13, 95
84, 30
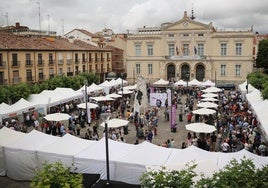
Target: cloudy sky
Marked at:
122, 15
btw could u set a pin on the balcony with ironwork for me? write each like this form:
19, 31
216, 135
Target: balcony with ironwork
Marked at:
60, 61
91, 60
51, 62
15, 64
77, 61
108, 59
40, 63
84, 61
41, 77
28, 63
69, 61
3, 81
16, 80
70, 73
29, 79
2, 64
102, 60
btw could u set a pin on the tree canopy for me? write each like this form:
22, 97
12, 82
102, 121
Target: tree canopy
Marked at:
262, 55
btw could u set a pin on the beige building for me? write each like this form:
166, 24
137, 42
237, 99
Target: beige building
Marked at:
35, 59
188, 49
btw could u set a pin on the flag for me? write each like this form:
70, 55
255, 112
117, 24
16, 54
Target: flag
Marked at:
195, 51
177, 50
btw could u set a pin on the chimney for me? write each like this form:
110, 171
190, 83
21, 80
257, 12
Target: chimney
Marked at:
17, 24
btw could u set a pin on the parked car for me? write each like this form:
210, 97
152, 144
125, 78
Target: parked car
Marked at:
227, 86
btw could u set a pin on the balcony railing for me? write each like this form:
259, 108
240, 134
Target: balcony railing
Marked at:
91, 60
102, 59
28, 63
40, 62
3, 81
84, 60
108, 59
2, 64
98, 60
77, 60
51, 62
16, 80
30, 79
69, 61
60, 61
70, 73
15, 64
41, 77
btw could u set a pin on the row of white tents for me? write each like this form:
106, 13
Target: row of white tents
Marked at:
50, 98
194, 82
22, 153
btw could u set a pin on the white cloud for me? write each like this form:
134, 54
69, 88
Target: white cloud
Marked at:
123, 15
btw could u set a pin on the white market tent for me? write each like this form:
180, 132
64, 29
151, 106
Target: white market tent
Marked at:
180, 83
21, 107
130, 87
120, 80
254, 98
106, 83
4, 110
87, 161
208, 83
7, 136
94, 88
243, 87
194, 82
20, 156
127, 161
62, 150
161, 83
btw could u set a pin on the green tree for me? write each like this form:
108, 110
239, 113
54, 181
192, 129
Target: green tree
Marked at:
235, 174
169, 178
19, 91
262, 55
56, 176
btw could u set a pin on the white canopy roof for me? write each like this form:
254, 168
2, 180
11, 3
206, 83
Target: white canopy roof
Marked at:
194, 82
243, 87
180, 83
22, 106
208, 83
94, 88
161, 82
130, 87
106, 83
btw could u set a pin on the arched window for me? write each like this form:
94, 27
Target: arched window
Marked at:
185, 72
200, 72
170, 71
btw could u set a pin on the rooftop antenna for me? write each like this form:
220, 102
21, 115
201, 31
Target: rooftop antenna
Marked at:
192, 15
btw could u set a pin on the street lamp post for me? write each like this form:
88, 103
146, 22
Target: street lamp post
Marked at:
247, 84
105, 117
172, 109
86, 98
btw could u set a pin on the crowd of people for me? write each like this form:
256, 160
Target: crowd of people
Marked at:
236, 125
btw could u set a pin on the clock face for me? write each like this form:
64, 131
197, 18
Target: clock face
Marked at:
185, 24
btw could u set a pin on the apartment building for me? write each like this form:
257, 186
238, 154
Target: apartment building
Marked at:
33, 59
189, 49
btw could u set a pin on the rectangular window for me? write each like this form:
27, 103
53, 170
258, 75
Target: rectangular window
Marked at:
223, 70
150, 68
237, 70
40, 74
170, 35
1, 59
83, 58
138, 50
223, 49
39, 59
51, 72
185, 49
185, 35
29, 75
16, 77
200, 49
15, 60
60, 71
150, 49
76, 60
138, 68
200, 34
238, 48
28, 59
50, 58
171, 50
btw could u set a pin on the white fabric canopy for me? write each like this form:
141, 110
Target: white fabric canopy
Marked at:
114, 95
94, 88
207, 105
90, 105
115, 123
208, 83
7, 136
57, 117
106, 83
243, 87
204, 111
87, 161
102, 98
62, 150
4, 110
161, 82
209, 99
212, 90
209, 95
254, 98
200, 128
194, 82
180, 83
20, 156
130, 87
